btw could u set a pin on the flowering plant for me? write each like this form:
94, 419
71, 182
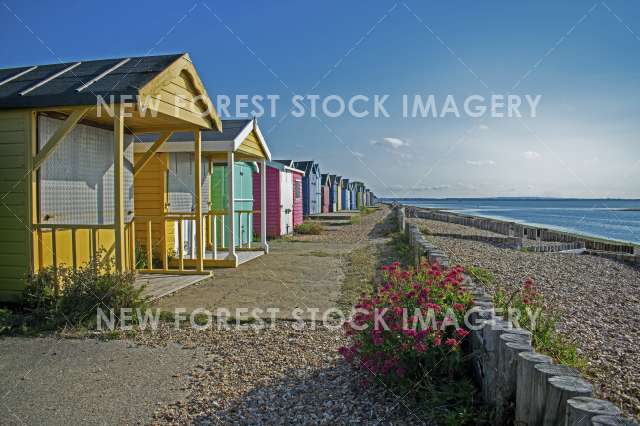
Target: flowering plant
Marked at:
412, 328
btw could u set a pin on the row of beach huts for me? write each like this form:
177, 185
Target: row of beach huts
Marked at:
127, 158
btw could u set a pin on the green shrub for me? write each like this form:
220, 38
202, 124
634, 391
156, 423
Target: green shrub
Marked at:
57, 297
545, 339
481, 274
309, 228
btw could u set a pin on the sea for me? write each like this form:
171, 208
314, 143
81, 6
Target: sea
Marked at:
613, 219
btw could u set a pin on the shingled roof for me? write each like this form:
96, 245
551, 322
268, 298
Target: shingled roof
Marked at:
78, 83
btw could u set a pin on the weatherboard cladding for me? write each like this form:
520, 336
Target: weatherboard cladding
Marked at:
311, 203
325, 193
297, 199
273, 202
61, 91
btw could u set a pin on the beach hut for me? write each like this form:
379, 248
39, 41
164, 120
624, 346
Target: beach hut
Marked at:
346, 194
228, 161
353, 195
325, 185
333, 193
359, 194
66, 142
298, 197
280, 199
311, 187
339, 184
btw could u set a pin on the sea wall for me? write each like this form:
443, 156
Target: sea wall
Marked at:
522, 386
519, 230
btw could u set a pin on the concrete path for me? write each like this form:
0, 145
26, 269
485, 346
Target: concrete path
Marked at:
90, 382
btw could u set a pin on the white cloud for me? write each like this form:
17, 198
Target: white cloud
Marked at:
394, 143
531, 155
483, 127
481, 163
358, 154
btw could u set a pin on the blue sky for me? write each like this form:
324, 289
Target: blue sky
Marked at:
582, 57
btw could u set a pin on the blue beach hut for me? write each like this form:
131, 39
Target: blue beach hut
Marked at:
311, 187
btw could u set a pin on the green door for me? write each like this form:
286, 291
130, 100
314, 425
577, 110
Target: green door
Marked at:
243, 187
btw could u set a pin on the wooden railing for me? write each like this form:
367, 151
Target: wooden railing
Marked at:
77, 244
157, 236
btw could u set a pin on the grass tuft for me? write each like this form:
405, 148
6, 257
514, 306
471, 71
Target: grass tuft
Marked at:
309, 228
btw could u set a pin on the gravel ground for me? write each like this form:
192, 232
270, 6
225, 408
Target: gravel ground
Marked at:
597, 301
279, 375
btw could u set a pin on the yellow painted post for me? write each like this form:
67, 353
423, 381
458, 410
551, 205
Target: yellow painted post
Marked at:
197, 152
54, 253
214, 237
40, 259
149, 246
94, 247
163, 245
118, 185
132, 245
74, 248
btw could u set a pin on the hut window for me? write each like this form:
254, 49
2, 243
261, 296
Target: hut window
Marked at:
76, 181
181, 195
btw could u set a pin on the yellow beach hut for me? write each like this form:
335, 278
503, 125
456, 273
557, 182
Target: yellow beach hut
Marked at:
67, 162
165, 192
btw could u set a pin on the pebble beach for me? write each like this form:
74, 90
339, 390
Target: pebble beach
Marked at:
596, 301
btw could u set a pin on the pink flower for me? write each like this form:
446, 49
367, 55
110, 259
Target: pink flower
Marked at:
461, 332
451, 342
458, 307
420, 347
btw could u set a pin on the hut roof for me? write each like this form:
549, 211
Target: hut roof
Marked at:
78, 83
307, 166
280, 165
233, 134
288, 163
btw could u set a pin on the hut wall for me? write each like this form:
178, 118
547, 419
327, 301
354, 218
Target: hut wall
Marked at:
15, 240
273, 202
325, 201
316, 191
297, 199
